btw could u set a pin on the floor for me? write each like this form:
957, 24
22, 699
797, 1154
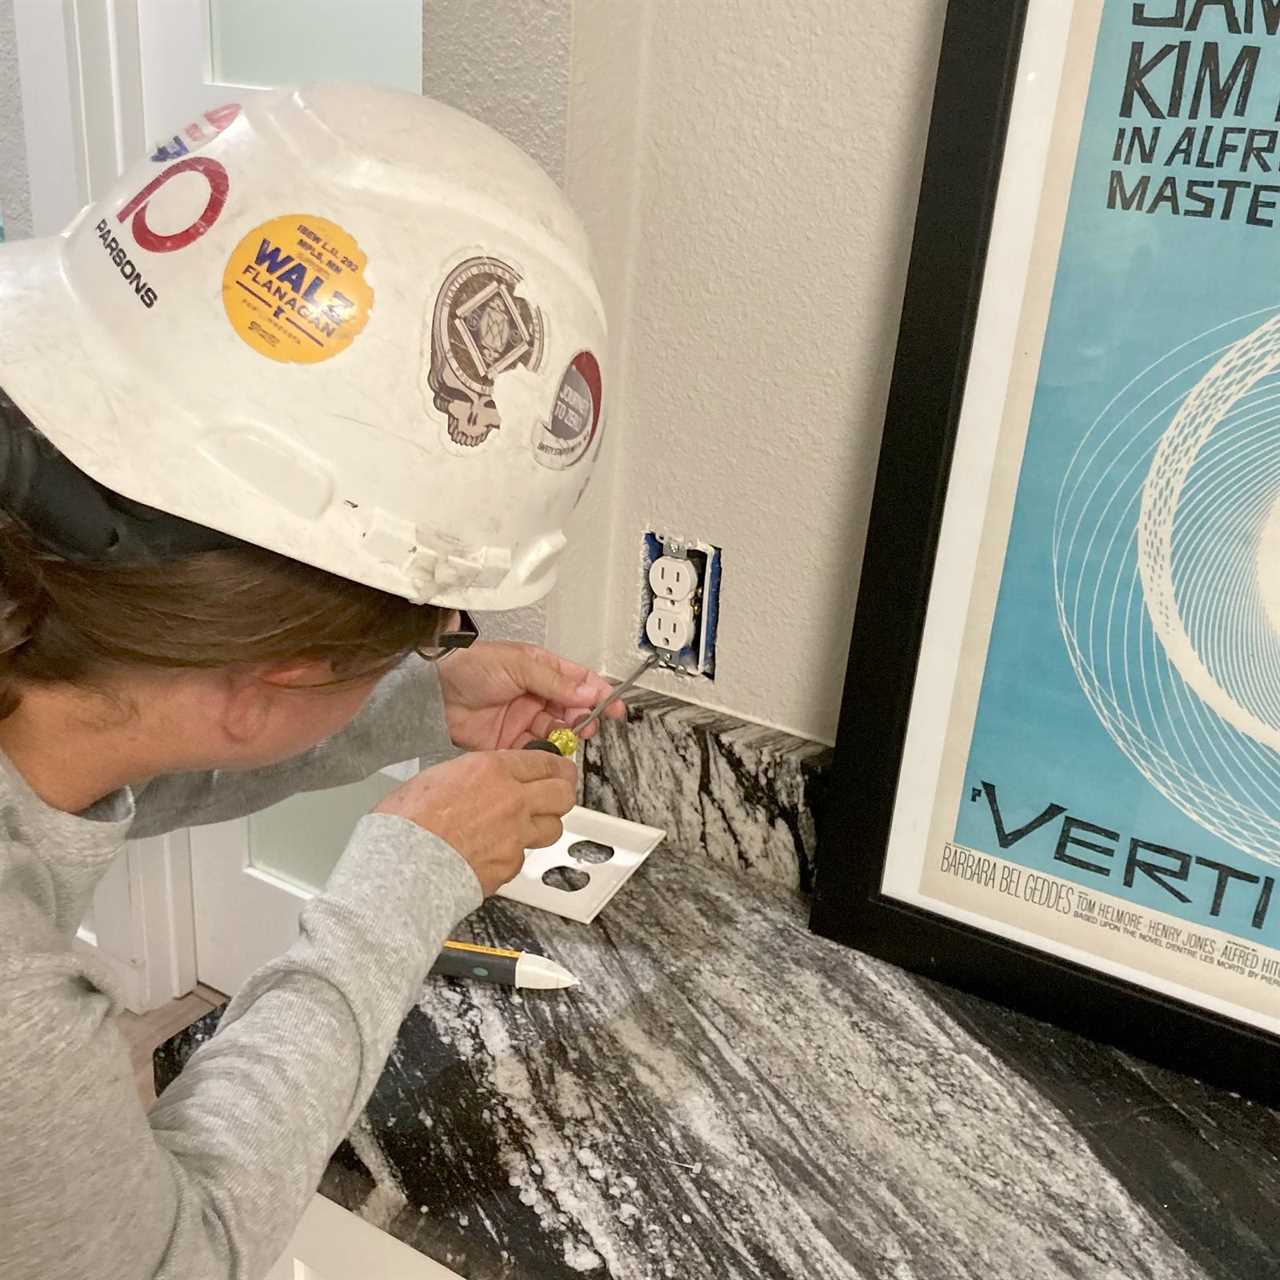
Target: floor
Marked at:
145, 1032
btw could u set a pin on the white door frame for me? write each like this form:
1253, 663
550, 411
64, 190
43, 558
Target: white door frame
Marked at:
86, 116
89, 111
52, 114
143, 925
174, 41
83, 122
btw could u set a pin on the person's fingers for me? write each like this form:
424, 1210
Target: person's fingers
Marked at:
540, 766
615, 711
555, 680
570, 692
567, 715
572, 714
588, 686
544, 831
490, 806
553, 798
544, 721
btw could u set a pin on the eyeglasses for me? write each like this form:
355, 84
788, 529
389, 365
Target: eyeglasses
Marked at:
462, 637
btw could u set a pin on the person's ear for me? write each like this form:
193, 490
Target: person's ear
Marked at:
246, 707
250, 698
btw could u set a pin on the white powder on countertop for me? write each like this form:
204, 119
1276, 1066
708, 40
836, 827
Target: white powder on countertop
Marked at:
580, 1258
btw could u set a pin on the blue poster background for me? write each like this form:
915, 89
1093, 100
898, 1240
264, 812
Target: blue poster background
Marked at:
1130, 286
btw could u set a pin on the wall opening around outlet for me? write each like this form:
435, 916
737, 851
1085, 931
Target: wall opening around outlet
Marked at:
680, 602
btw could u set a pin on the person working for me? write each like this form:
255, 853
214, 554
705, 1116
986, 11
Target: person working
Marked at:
316, 379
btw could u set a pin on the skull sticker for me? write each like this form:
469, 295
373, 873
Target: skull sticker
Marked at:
480, 329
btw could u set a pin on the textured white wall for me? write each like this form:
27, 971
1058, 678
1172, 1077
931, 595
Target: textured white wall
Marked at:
15, 196
605, 140
762, 235
506, 62
748, 171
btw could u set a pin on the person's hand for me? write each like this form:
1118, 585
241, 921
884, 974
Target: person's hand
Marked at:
498, 696
490, 806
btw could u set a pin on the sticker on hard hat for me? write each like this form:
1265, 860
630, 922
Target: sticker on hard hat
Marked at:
197, 134
566, 437
480, 330
294, 289
215, 199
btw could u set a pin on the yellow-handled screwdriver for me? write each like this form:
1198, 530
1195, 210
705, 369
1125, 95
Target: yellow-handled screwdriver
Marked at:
564, 742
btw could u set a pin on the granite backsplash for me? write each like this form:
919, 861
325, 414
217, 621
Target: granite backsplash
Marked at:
738, 793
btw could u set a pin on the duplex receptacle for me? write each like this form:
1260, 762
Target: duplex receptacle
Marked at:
670, 627
680, 604
673, 579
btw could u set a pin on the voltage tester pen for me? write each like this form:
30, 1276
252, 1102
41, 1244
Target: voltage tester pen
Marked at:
507, 968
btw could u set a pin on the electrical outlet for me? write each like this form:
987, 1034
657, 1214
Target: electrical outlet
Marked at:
673, 579
670, 627
681, 603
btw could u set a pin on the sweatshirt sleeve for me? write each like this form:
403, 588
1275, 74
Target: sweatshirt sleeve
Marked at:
212, 1183
403, 719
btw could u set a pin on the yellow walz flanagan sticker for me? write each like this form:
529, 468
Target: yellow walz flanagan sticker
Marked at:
294, 289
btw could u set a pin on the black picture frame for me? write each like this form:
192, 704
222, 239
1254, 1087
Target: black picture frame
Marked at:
971, 113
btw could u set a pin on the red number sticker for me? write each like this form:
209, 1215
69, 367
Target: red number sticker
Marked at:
219, 184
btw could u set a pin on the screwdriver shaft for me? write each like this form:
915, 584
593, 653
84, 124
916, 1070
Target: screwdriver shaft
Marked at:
615, 693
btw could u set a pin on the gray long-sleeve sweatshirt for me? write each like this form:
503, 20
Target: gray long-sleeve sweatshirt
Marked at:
212, 1182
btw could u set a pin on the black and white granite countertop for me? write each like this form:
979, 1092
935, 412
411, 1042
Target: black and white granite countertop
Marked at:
727, 1096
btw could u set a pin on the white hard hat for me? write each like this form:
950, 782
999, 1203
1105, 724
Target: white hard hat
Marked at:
347, 324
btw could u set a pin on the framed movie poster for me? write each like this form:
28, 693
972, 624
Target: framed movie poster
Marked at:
1058, 769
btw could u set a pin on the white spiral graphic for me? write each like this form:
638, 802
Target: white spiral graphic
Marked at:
1166, 562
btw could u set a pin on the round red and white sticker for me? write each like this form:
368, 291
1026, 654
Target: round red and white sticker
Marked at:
570, 431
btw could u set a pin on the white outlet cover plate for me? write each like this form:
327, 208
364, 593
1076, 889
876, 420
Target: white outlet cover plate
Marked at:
631, 843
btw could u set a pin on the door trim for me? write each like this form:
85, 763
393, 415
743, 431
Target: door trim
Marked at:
52, 115
144, 922
81, 80
174, 38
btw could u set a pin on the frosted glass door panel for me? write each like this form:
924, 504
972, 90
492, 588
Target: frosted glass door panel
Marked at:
293, 41
302, 838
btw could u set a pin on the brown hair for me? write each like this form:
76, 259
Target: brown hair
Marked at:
70, 622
